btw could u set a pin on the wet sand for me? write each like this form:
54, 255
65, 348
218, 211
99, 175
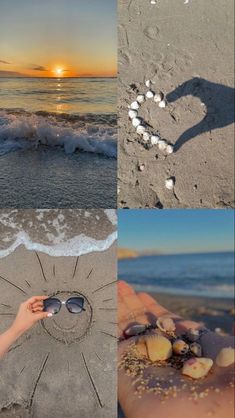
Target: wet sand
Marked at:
177, 44
72, 357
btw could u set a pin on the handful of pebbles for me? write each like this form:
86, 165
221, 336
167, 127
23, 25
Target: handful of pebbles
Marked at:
161, 346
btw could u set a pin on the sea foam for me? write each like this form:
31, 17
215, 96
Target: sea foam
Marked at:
89, 133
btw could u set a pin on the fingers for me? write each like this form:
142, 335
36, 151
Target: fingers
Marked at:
35, 299
151, 304
42, 315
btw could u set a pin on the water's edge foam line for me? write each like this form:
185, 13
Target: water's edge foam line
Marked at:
74, 247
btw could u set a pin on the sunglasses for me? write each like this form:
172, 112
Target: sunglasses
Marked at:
54, 305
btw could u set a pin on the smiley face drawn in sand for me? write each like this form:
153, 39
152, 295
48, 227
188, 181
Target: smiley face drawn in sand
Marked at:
67, 353
66, 327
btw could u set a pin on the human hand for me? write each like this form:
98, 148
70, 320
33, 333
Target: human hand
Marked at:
213, 396
29, 313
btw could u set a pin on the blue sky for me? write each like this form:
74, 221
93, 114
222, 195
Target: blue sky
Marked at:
177, 231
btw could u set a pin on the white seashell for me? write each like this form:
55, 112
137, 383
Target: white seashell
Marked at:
153, 2
136, 122
149, 94
193, 335
148, 83
162, 145
165, 324
132, 114
154, 139
162, 104
141, 167
140, 98
197, 367
134, 105
169, 183
169, 149
146, 136
140, 129
135, 330
225, 357
158, 97
196, 349
180, 347
158, 347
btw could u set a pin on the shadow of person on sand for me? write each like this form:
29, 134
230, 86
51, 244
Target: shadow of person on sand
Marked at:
219, 102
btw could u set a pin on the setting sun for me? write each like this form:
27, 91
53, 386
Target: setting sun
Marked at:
59, 71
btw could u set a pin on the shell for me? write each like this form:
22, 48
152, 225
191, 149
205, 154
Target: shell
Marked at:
180, 347
132, 114
136, 122
196, 349
197, 367
141, 167
140, 98
162, 104
169, 183
158, 347
149, 94
162, 145
165, 324
154, 139
140, 129
146, 136
169, 149
158, 97
141, 348
225, 357
193, 335
148, 83
134, 330
134, 105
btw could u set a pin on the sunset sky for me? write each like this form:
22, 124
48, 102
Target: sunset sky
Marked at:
58, 38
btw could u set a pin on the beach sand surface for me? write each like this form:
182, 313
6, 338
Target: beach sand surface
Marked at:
176, 43
64, 366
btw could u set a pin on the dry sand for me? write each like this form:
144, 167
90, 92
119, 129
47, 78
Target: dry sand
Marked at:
173, 43
64, 366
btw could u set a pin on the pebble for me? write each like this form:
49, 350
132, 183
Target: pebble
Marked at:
134, 105
135, 330
141, 167
157, 98
162, 104
140, 98
148, 83
180, 347
132, 114
136, 122
162, 145
169, 183
146, 136
225, 357
154, 139
159, 348
193, 335
150, 94
196, 349
140, 129
166, 324
197, 367
169, 149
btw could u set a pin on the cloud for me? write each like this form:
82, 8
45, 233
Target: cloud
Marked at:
11, 74
39, 68
4, 62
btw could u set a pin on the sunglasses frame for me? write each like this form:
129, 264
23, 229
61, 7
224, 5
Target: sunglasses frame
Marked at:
65, 303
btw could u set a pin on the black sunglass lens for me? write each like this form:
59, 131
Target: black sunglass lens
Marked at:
75, 305
52, 305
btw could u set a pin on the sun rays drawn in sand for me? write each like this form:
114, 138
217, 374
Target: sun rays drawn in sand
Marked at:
86, 341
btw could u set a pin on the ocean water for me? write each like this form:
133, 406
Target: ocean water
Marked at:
58, 120
209, 275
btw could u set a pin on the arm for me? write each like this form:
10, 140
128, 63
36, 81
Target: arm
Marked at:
29, 313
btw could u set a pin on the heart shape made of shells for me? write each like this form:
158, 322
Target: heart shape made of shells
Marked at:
147, 138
